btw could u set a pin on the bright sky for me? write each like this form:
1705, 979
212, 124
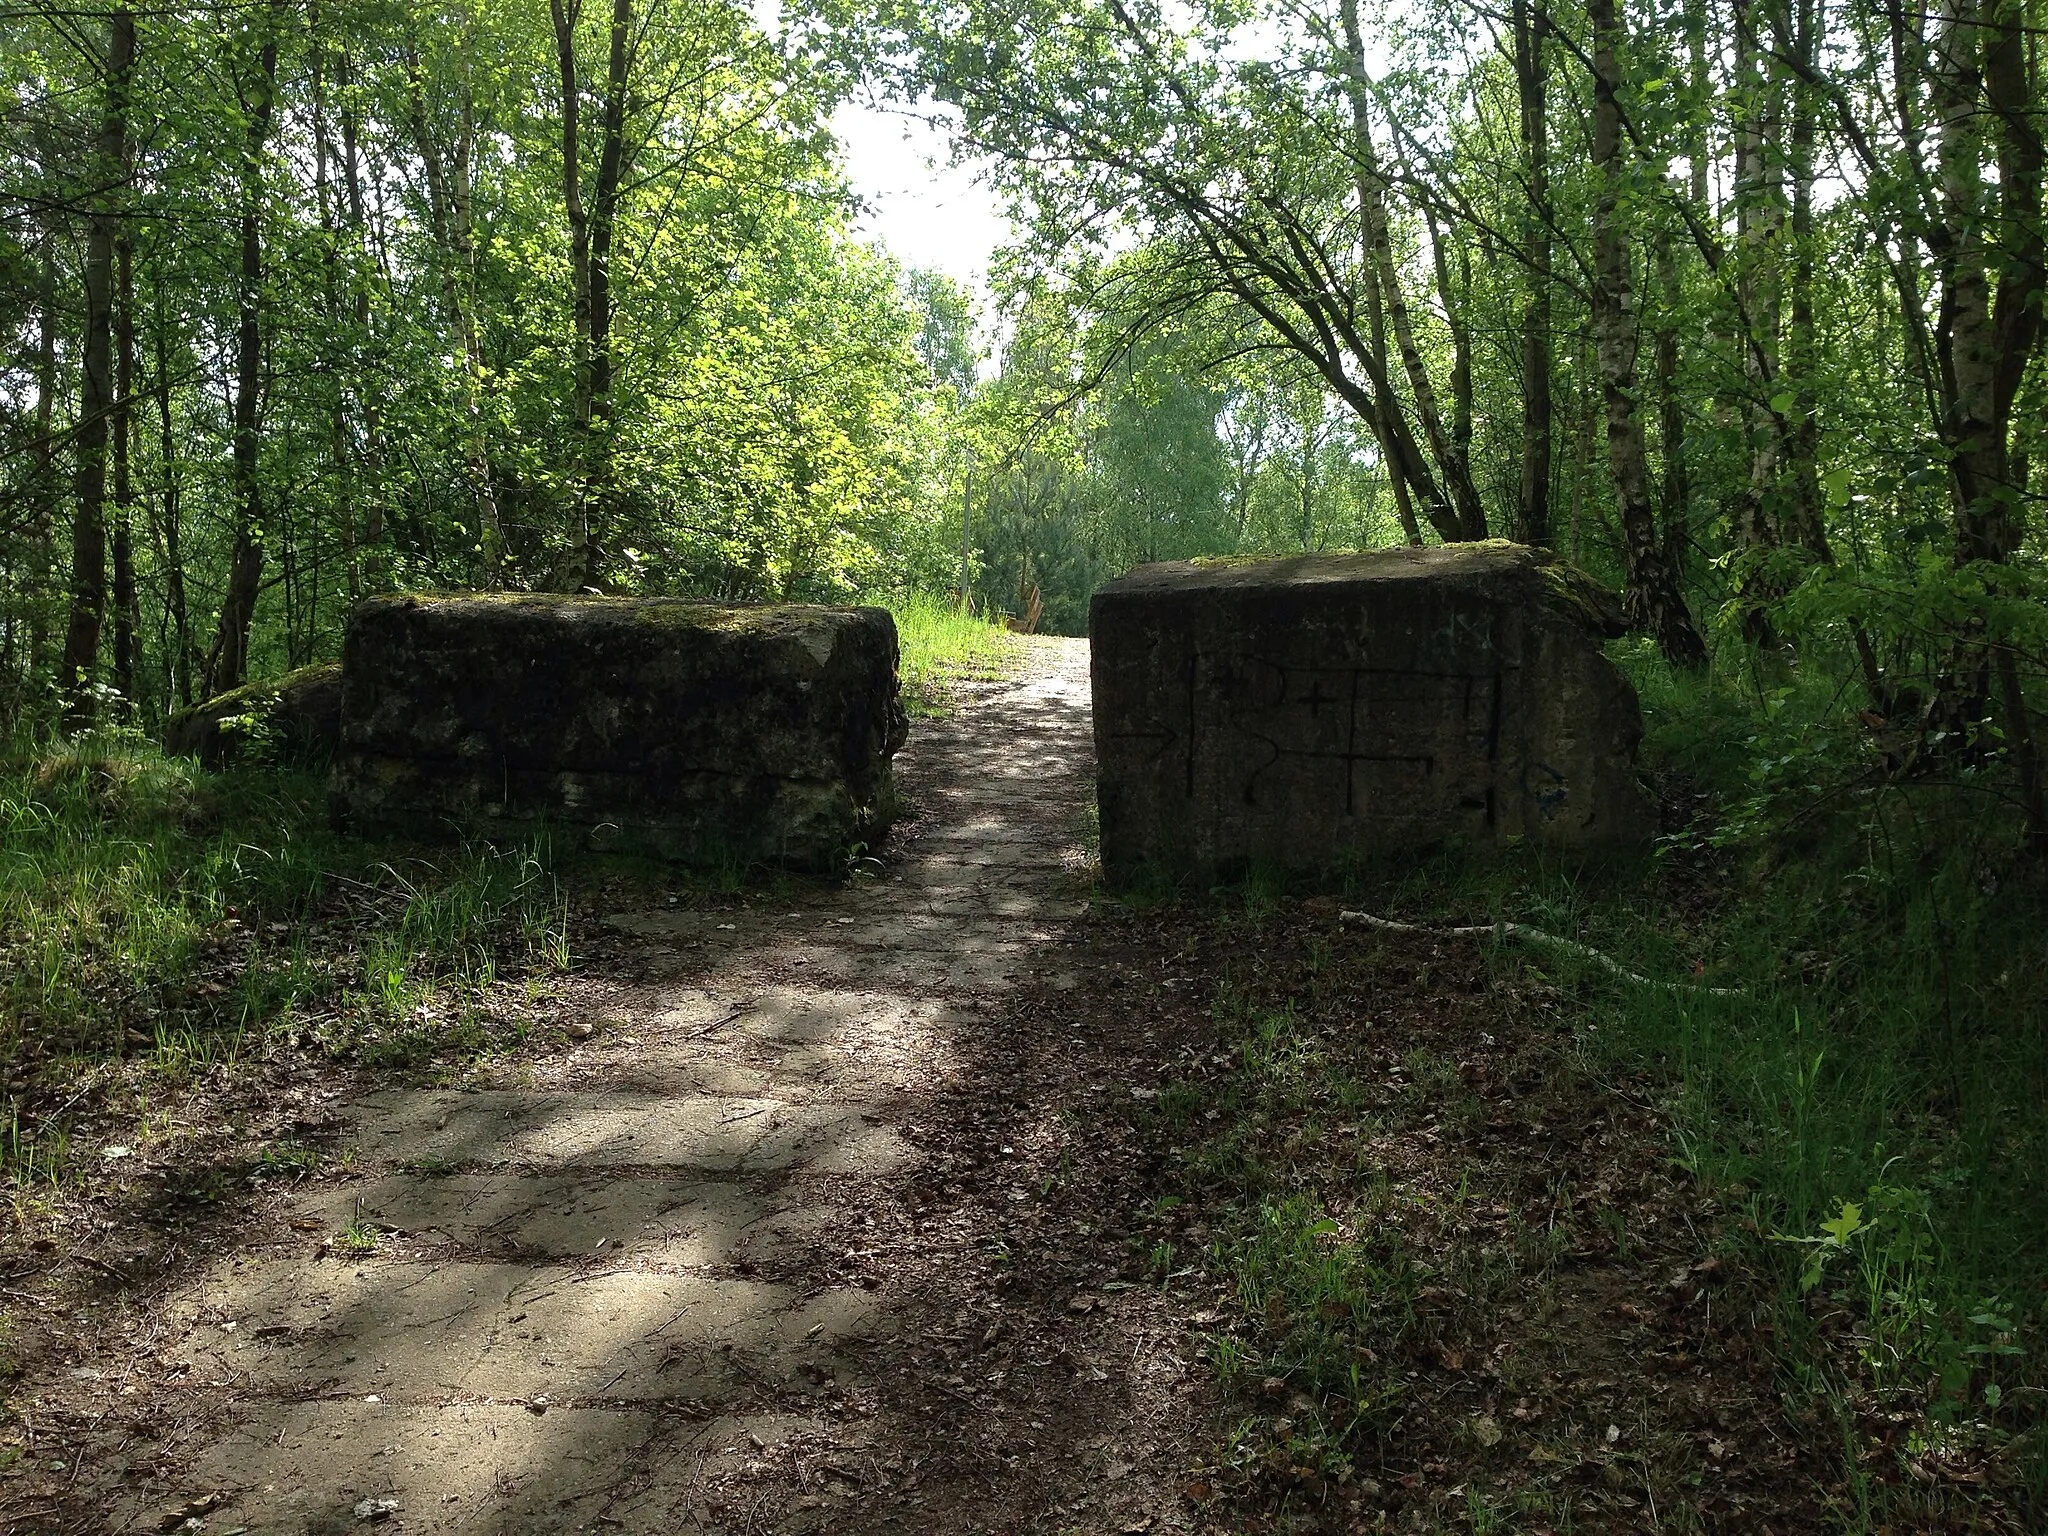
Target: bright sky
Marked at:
926, 210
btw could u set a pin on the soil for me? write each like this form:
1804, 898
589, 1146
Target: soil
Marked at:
898, 1206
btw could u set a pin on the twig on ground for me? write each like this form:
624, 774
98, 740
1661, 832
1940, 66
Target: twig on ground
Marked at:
1503, 931
102, 1266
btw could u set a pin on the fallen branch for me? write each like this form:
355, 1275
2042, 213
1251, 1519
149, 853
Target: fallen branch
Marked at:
1503, 931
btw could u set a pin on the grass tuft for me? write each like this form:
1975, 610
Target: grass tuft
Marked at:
941, 645
160, 927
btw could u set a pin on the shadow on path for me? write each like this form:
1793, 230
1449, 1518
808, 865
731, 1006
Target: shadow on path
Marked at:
793, 1242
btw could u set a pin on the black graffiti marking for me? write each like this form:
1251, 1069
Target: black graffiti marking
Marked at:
1327, 687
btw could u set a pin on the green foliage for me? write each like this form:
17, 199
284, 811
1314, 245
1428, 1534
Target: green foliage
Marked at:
186, 923
1873, 1097
1865, 1098
770, 421
1095, 455
945, 341
122, 872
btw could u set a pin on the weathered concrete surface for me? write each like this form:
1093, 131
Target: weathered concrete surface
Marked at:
501, 1468
666, 1221
652, 1282
292, 719
687, 730
715, 1133
1299, 713
413, 1332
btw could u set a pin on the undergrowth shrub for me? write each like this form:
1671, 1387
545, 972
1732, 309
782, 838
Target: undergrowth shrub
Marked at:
1844, 1002
1873, 1095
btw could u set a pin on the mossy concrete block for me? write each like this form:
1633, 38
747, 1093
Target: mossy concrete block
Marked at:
294, 719
686, 730
1308, 712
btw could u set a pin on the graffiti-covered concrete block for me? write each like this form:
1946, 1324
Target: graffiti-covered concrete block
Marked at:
1306, 712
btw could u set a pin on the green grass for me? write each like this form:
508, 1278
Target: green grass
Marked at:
171, 924
426, 971
1876, 1098
122, 872
1866, 1106
940, 644
1871, 1100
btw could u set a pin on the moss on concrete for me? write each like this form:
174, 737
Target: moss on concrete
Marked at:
293, 719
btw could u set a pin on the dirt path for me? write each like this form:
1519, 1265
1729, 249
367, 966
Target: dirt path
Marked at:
933, 1202
705, 1271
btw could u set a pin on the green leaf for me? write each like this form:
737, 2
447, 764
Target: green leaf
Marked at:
1844, 1226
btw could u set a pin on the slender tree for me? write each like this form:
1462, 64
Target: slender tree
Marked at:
127, 615
1651, 592
96, 400
227, 664
1532, 96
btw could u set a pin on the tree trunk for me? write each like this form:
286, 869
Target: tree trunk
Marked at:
48, 494
1805, 524
127, 617
1700, 152
227, 665
1671, 405
368, 569
1369, 280
452, 205
1989, 332
96, 399
171, 531
1461, 334
565, 19
1759, 254
1397, 449
1468, 515
339, 338
1992, 334
1651, 593
1532, 502
600, 492
1586, 421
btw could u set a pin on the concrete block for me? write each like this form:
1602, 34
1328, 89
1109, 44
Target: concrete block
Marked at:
685, 730
290, 720
1306, 712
